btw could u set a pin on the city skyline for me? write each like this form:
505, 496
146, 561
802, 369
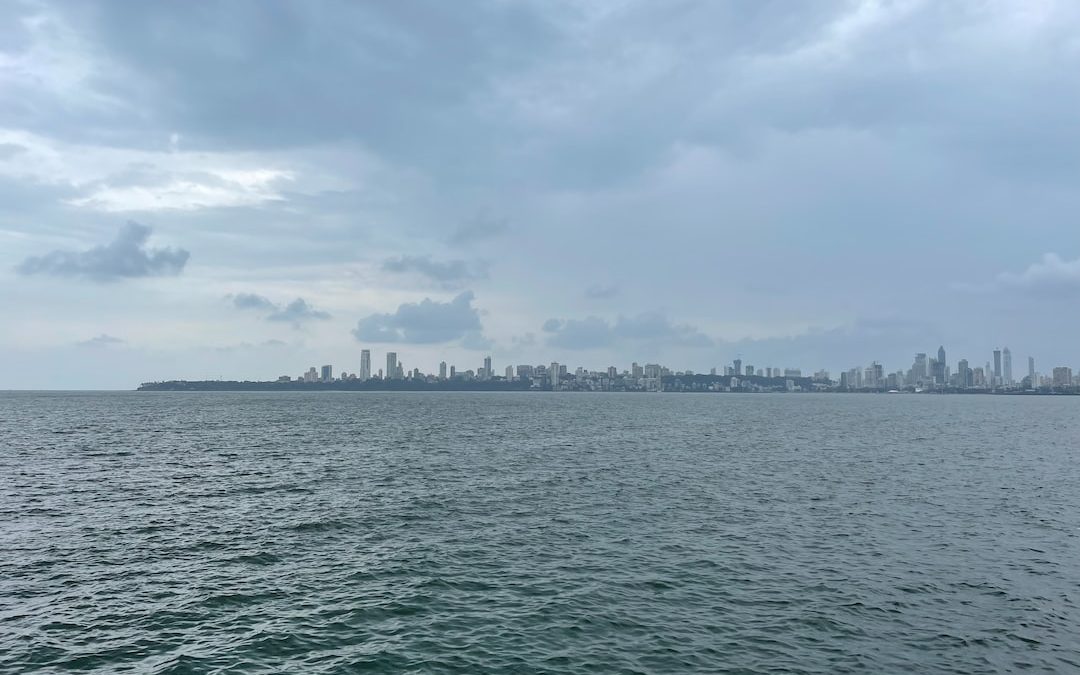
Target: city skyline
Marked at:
925, 374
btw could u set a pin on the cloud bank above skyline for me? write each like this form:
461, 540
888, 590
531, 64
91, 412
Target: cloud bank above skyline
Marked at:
619, 180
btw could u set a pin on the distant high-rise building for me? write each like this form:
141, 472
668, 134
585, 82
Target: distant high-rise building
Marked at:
453, 372
1006, 357
553, 375
391, 365
939, 368
963, 374
1063, 377
509, 373
365, 364
327, 374
311, 375
636, 371
918, 369
488, 374
749, 371
997, 367
442, 370
738, 367
1031, 371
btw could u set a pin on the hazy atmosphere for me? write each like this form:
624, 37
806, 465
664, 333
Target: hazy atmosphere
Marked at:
248, 189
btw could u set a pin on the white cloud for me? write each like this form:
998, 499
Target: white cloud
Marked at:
117, 179
1052, 274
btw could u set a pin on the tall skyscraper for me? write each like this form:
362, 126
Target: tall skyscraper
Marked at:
553, 375
442, 370
509, 373
327, 373
918, 369
997, 367
940, 367
391, 365
488, 374
738, 367
1006, 356
1031, 371
365, 364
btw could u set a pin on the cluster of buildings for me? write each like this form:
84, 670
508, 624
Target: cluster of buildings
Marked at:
935, 374
558, 377
925, 374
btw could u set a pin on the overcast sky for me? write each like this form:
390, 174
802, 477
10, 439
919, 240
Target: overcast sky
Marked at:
247, 189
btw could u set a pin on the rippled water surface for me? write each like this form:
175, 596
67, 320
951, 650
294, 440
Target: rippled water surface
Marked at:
471, 532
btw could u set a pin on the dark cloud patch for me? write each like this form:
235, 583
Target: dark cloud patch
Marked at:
125, 257
424, 322
595, 333
253, 347
526, 340
477, 341
656, 326
252, 301
9, 150
102, 340
599, 292
478, 229
297, 312
589, 333
448, 273
231, 65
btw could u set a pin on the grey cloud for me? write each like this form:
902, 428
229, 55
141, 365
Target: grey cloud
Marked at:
296, 312
588, 333
526, 340
252, 301
477, 341
424, 322
126, 257
478, 229
9, 150
242, 62
251, 347
655, 326
594, 332
102, 340
449, 273
598, 292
